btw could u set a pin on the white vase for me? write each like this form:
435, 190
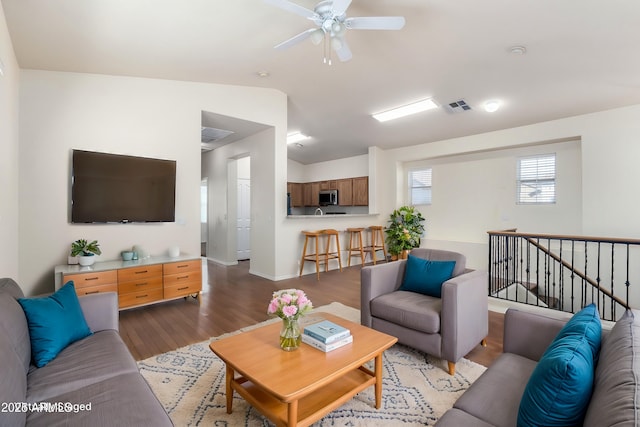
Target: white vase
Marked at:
86, 260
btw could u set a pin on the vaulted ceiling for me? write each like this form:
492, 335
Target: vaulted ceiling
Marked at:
580, 56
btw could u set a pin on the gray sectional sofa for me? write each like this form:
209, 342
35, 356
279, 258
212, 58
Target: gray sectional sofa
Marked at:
494, 399
93, 382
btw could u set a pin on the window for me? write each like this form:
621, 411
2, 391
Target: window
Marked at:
420, 187
537, 179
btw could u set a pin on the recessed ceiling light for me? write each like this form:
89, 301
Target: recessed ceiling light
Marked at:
294, 137
263, 74
518, 50
405, 110
491, 106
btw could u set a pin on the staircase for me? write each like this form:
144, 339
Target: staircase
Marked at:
564, 272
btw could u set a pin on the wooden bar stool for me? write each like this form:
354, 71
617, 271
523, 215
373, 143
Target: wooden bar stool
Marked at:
377, 242
355, 250
314, 257
328, 254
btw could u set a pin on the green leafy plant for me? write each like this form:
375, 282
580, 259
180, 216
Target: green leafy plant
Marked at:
404, 230
82, 247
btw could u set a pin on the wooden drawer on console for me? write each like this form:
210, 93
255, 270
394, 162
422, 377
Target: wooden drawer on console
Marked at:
142, 272
181, 278
181, 267
138, 298
141, 284
86, 290
81, 280
182, 290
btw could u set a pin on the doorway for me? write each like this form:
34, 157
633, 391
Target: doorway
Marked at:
204, 216
243, 222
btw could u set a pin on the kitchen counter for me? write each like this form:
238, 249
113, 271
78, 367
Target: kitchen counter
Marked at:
330, 215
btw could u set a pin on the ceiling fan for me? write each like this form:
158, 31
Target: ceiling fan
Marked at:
331, 22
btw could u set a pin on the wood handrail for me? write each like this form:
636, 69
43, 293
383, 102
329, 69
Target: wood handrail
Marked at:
514, 233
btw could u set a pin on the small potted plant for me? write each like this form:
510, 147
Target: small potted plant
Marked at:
85, 251
404, 231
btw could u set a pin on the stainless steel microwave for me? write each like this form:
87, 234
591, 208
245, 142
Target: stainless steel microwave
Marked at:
328, 197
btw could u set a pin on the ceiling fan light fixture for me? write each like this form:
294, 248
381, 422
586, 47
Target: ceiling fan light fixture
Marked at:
317, 36
295, 137
336, 43
338, 28
405, 110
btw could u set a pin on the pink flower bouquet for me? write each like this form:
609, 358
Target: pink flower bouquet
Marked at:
289, 304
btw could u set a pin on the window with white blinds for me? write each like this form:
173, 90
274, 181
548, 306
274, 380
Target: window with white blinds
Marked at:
420, 187
537, 179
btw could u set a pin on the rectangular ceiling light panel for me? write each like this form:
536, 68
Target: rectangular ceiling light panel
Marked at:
292, 138
405, 110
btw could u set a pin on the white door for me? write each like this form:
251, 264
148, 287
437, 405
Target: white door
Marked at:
244, 218
204, 215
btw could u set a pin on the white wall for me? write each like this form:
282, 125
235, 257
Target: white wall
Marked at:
474, 193
268, 199
349, 167
9, 105
153, 118
608, 173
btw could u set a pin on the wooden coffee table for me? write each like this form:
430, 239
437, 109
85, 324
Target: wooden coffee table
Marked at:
298, 388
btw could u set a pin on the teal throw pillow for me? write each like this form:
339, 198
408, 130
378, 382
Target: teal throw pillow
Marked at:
54, 322
560, 387
426, 277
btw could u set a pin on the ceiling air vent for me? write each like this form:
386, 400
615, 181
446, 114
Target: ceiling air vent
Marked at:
213, 134
459, 106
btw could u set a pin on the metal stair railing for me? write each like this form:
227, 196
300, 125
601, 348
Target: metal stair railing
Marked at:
564, 272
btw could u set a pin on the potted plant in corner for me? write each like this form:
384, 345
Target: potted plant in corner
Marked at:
404, 231
85, 251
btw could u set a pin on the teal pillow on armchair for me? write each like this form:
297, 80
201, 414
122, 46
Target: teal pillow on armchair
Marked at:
426, 277
54, 322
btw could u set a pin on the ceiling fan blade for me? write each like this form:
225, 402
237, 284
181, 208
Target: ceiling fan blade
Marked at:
340, 6
291, 7
375, 23
295, 39
344, 53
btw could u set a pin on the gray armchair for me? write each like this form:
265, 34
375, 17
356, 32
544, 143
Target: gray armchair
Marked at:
448, 327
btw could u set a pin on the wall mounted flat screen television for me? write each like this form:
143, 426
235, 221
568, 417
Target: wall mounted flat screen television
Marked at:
121, 189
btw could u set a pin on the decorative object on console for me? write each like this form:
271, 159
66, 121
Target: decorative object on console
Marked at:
174, 251
404, 230
289, 305
127, 255
142, 254
85, 251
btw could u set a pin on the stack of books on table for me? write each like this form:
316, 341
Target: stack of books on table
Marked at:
326, 336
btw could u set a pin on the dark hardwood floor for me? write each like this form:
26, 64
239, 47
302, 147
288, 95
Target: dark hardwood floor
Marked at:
232, 299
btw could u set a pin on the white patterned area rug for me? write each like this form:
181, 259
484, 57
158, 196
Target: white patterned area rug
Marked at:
190, 383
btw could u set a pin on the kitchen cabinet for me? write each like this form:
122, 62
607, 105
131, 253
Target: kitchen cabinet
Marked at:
307, 198
360, 191
345, 192
295, 190
329, 185
310, 192
351, 191
315, 190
